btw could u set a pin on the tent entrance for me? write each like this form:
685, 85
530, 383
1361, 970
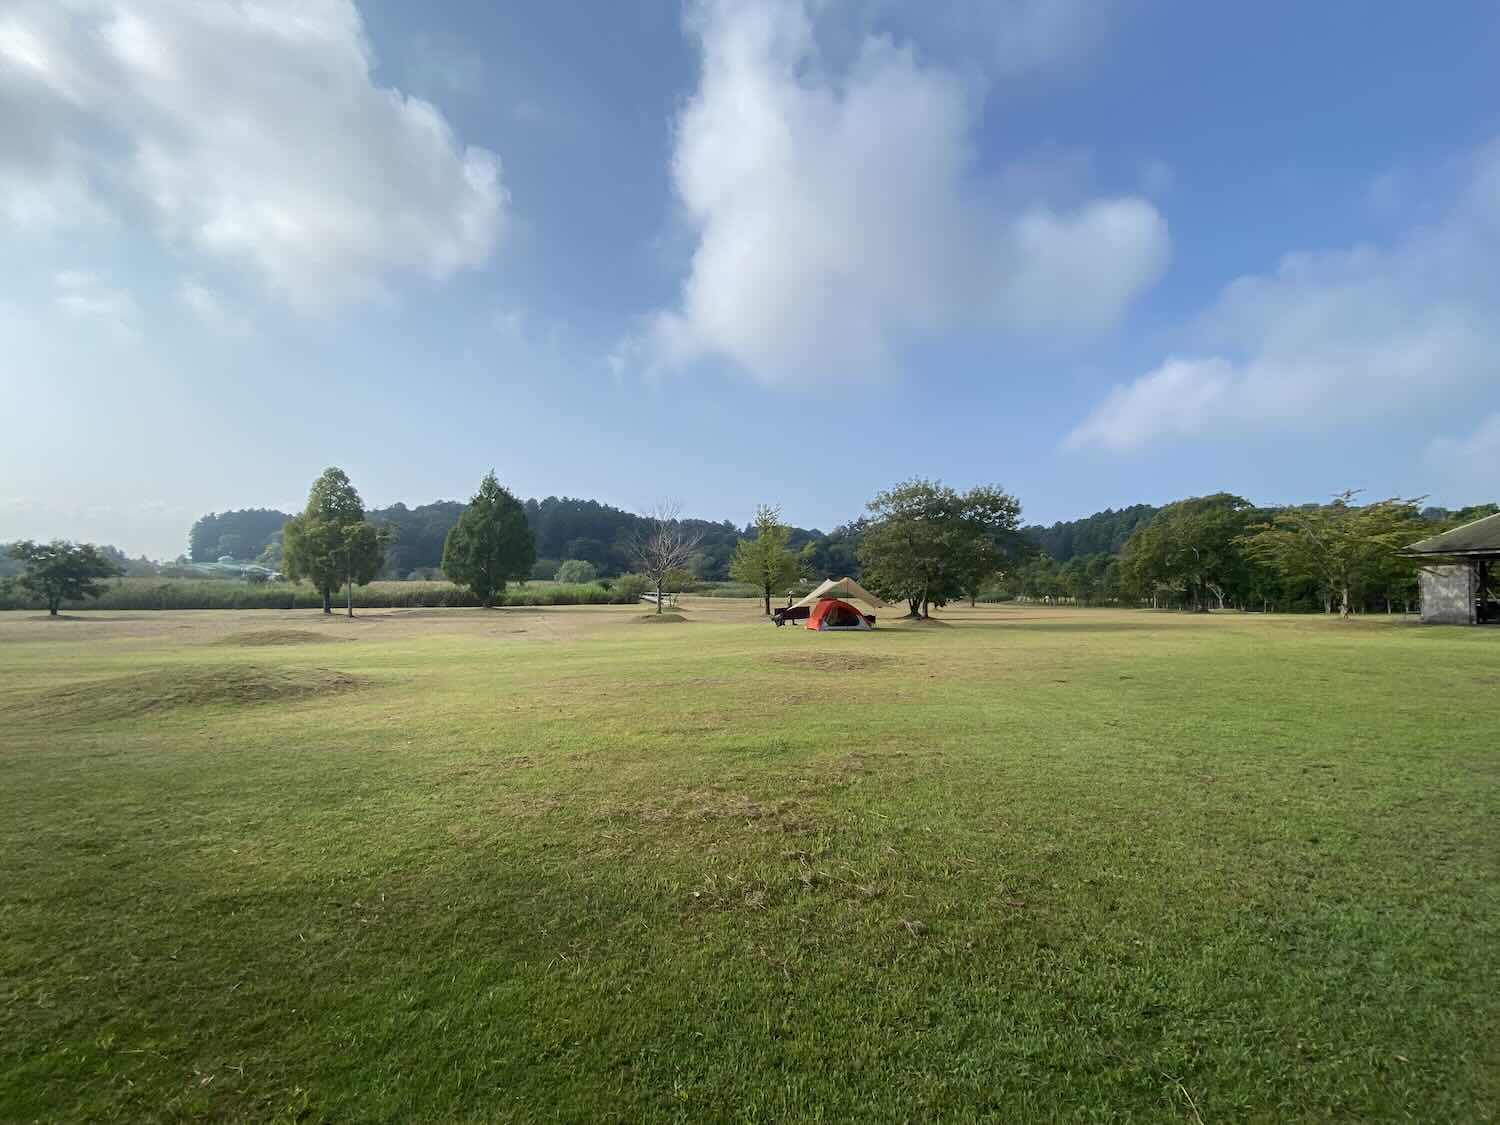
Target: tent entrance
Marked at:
830, 613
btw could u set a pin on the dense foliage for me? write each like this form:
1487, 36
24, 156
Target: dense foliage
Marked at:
491, 544
1103, 533
926, 543
242, 534
763, 557
60, 571
331, 544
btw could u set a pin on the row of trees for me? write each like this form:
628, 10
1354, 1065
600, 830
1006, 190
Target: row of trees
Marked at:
1213, 552
563, 528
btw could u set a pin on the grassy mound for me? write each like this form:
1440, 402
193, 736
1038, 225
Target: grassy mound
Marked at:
167, 689
660, 618
262, 637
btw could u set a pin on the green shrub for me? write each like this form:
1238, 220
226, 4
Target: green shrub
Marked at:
727, 590
630, 587
577, 570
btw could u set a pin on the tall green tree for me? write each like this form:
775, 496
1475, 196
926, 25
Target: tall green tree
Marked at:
491, 544
330, 544
1193, 545
60, 571
764, 559
927, 543
1344, 546
990, 542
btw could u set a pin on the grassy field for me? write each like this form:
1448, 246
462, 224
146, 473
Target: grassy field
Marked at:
563, 865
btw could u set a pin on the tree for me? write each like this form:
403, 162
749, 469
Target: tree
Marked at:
60, 571
991, 542
330, 543
491, 544
663, 543
927, 543
1194, 545
1342, 545
762, 558
576, 571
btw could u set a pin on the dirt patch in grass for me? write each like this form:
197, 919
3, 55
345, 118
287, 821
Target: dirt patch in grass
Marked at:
660, 618
262, 637
167, 689
830, 661
713, 802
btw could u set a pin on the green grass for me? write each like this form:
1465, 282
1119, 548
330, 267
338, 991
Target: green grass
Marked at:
552, 865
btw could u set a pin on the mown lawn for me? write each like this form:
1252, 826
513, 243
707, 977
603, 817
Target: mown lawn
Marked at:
561, 865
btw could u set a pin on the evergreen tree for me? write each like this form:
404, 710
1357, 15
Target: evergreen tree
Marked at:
491, 544
330, 543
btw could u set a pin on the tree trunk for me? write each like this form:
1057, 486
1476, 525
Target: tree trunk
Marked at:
351, 595
768, 601
1344, 612
52, 605
328, 600
973, 599
658, 596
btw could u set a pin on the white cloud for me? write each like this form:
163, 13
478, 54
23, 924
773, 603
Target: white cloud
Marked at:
212, 311
1331, 338
82, 294
838, 213
1470, 466
255, 132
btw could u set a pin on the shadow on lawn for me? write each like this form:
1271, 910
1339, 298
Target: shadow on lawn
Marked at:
1053, 626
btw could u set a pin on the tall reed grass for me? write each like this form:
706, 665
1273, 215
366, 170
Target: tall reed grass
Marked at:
210, 593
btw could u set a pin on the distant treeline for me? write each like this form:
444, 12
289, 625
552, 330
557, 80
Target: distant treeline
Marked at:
569, 528
565, 528
1100, 559
1103, 533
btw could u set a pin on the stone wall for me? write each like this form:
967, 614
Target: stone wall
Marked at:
1448, 594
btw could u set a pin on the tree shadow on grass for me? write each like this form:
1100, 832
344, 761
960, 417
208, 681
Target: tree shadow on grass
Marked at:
1037, 626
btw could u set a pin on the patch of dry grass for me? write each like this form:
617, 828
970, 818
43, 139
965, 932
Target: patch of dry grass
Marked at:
271, 637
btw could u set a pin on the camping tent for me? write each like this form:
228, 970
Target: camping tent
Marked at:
833, 613
830, 608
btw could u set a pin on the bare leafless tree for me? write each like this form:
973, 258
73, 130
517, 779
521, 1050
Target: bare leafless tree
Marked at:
662, 544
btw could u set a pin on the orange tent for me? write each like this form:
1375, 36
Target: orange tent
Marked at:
831, 613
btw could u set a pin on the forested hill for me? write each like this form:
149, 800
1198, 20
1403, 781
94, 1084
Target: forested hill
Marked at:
1103, 533
565, 528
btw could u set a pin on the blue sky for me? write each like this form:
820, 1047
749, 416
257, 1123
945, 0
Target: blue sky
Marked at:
785, 252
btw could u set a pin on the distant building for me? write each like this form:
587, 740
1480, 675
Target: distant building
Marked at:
1460, 576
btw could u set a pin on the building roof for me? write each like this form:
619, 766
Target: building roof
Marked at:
1482, 537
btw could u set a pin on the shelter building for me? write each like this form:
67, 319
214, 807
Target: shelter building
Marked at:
1460, 575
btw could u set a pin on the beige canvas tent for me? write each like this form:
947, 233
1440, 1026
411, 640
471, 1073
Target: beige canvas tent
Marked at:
844, 589
829, 607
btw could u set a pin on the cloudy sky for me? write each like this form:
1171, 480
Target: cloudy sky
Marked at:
1098, 251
